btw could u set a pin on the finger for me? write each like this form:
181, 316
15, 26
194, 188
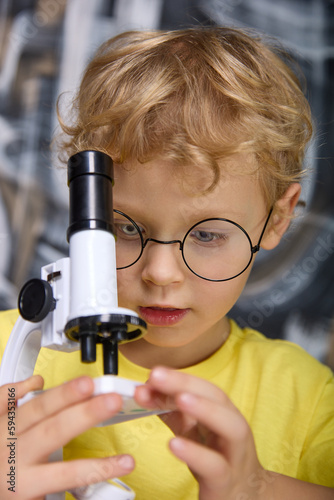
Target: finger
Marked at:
61, 476
205, 463
56, 431
19, 389
171, 382
214, 416
148, 397
163, 385
179, 423
52, 401
232, 430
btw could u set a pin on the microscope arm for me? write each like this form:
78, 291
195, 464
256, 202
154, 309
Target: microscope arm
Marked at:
21, 352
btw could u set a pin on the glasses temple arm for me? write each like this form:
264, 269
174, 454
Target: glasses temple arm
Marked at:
256, 248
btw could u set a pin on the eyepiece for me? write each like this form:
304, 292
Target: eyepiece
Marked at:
90, 180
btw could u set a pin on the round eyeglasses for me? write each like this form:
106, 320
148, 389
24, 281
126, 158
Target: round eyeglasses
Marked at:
213, 249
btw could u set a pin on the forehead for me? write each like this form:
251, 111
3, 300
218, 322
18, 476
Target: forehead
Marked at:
160, 189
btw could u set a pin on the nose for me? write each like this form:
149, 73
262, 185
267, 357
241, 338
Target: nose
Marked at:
162, 263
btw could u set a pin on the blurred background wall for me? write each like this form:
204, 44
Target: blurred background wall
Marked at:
44, 47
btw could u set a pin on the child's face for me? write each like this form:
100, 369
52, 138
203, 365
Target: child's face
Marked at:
182, 310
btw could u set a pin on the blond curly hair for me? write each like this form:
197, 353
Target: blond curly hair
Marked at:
194, 96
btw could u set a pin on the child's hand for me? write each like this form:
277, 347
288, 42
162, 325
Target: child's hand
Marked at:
213, 438
42, 426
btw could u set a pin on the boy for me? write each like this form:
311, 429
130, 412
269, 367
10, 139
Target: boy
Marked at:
207, 129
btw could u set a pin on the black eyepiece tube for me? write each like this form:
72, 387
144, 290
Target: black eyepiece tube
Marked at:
90, 181
94, 316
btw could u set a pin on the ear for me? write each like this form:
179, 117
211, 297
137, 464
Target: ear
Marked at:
281, 219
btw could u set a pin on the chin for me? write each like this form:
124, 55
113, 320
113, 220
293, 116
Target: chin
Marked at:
166, 338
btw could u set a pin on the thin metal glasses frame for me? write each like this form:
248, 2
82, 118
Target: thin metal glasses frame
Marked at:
253, 248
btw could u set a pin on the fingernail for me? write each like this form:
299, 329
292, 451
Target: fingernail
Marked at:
126, 462
84, 385
187, 399
111, 402
144, 394
36, 381
159, 374
177, 444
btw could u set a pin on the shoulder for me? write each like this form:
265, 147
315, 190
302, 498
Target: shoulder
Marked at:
278, 358
288, 380
288, 398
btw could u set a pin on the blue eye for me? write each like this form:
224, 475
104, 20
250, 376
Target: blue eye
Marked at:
207, 236
203, 236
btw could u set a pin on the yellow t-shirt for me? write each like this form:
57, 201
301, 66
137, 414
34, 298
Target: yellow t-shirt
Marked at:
286, 396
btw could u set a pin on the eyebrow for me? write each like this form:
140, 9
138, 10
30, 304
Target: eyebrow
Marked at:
190, 220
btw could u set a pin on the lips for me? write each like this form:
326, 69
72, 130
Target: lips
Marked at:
162, 316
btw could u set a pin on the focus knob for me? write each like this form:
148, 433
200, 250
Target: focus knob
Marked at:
36, 300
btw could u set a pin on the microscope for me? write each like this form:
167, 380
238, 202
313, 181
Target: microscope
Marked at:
74, 305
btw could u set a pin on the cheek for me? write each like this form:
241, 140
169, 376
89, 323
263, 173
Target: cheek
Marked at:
218, 298
125, 284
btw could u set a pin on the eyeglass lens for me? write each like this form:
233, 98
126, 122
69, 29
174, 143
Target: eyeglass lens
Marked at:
214, 249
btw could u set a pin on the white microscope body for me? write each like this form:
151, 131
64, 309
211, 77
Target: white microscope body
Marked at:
74, 305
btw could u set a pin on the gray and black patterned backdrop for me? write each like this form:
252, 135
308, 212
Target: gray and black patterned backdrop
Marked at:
44, 46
